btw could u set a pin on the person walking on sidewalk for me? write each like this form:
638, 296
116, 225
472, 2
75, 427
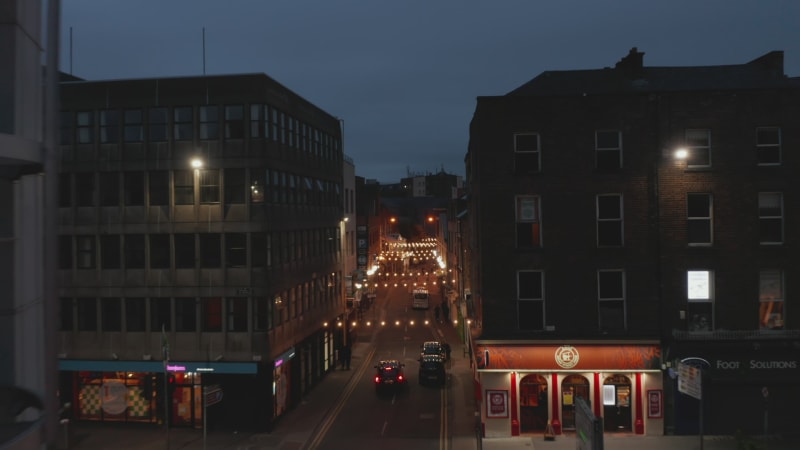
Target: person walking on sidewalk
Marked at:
346, 354
436, 313
445, 311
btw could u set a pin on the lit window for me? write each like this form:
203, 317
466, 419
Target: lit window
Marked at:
770, 300
528, 222
699, 293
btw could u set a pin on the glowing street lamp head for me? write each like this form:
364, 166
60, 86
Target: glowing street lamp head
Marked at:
197, 163
681, 153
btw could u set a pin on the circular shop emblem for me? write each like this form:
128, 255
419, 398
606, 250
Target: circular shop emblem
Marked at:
567, 356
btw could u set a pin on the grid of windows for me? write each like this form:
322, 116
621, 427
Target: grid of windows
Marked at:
234, 122
183, 125
109, 126
530, 299
158, 124
133, 131
209, 122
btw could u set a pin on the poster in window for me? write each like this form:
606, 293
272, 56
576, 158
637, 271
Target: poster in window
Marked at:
655, 403
496, 404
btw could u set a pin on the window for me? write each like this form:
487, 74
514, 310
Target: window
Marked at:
160, 314
135, 314
237, 315
134, 251
185, 314
158, 189
608, 150
111, 314
109, 188
527, 157
770, 300
528, 213
87, 314
234, 186
182, 124
210, 253
184, 251
770, 217
234, 122
609, 220
65, 252
133, 125
262, 314
611, 299
258, 250
184, 187
109, 126
64, 190
212, 314
84, 127
699, 292
86, 252
257, 121
159, 251
84, 189
110, 255
133, 186
209, 186
530, 299
698, 143
158, 124
65, 132
236, 249
768, 146
699, 224
67, 315
209, 122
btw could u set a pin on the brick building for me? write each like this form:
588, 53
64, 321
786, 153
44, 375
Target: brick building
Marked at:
601, 262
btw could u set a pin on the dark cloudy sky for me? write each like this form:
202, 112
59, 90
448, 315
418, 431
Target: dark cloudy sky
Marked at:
404, 75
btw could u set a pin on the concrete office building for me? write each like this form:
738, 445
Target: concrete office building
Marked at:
200, 230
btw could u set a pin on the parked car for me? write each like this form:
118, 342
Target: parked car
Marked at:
389, 375
432, 370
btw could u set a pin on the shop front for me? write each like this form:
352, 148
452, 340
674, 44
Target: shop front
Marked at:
541, 383
745, 388
133, 391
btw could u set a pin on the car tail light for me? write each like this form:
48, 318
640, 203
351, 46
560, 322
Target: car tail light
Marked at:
377, 379
400, 378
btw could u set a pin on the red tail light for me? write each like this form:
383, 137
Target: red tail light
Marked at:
400, 378
377, 379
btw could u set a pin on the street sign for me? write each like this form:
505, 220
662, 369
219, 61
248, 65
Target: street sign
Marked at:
213, 394
689, 381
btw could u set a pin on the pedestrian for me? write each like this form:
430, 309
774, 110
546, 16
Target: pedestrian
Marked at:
436, 313
445, 311
447, 350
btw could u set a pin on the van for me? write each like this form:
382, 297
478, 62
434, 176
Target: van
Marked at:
420, 299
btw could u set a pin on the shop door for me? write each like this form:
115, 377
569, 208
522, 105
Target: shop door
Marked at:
533, 403
573, 387
187, 401
617, 403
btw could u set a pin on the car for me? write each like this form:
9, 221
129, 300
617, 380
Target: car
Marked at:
432, 370
389, 375
434, 348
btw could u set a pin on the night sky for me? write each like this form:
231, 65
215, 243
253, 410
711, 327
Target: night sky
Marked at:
404, 75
